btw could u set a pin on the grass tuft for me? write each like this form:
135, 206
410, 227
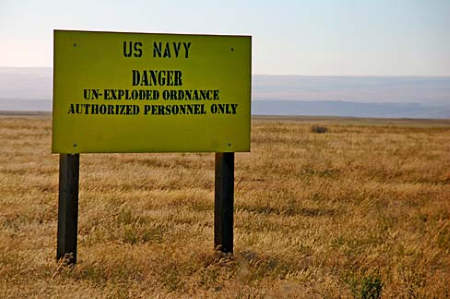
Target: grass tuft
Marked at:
319, 129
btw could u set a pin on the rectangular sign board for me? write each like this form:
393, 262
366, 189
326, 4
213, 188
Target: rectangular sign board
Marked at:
141, 92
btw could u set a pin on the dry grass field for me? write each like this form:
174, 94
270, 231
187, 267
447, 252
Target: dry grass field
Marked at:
360, 211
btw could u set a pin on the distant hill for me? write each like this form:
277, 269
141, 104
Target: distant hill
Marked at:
25, 105
23, 89
26, 83
428, 91
351, 109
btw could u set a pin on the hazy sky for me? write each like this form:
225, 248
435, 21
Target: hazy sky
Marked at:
309, 37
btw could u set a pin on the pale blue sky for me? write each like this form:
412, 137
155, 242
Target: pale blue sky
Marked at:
310, 37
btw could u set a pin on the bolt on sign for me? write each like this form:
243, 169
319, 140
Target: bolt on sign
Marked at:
143, 92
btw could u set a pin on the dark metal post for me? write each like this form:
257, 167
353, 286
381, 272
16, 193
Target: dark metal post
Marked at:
224, 202
69, 167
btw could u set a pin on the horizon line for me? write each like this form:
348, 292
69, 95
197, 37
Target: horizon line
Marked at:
283, 75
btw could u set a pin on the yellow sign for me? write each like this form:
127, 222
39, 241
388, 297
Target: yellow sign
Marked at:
138, 92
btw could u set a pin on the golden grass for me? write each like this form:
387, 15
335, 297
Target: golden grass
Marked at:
362, 208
